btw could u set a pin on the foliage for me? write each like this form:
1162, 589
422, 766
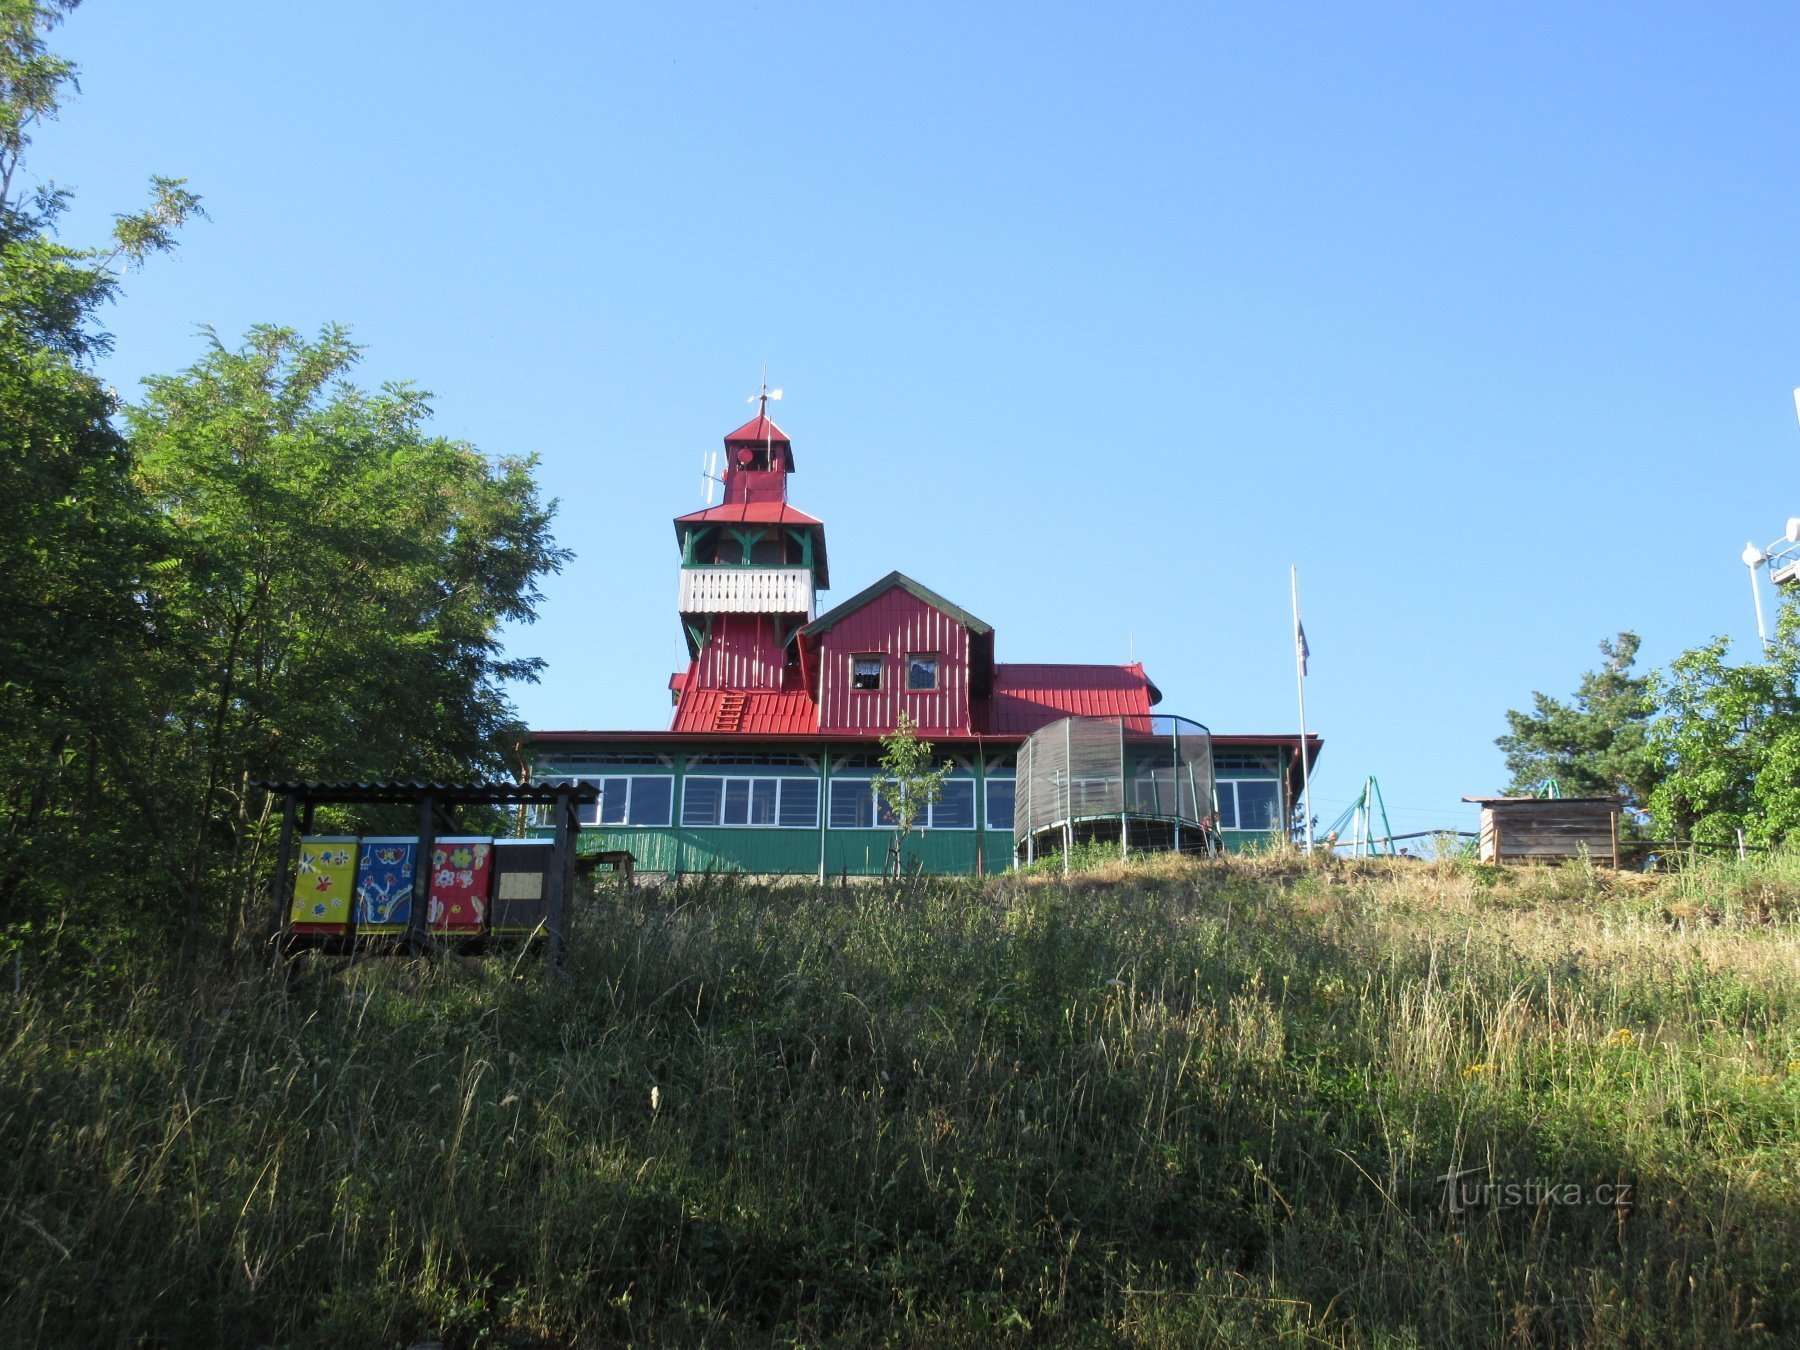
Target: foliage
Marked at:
1597, 745
1731, 736
276, 574
327, 600
907, 785
1186, 1103
72, 527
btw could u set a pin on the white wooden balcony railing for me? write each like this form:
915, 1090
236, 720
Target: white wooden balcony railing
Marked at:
747, 590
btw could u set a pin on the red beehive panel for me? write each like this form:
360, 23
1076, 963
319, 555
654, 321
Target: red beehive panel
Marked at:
460, 874
895, 623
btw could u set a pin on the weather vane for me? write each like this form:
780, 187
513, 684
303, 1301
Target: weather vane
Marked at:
764, 394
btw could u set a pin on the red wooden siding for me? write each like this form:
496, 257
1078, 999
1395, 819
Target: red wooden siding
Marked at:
744, 652
895, 623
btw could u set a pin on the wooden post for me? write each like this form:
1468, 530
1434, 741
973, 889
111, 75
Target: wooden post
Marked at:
562, 876
417, 929
283, 891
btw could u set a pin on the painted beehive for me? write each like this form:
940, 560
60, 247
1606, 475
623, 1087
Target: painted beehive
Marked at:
460, 872
384, 883
323, 882
521, 884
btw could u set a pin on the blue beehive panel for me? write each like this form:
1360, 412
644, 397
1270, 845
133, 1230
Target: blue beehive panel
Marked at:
384, 883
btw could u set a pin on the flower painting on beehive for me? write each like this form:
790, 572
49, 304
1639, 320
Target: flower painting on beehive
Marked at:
460, 871
324, 876
384, 884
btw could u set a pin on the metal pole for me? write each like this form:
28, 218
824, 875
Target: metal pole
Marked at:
1752, 552
1300, 684
824, 804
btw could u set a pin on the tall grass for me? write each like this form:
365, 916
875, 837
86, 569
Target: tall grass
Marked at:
1173, 1102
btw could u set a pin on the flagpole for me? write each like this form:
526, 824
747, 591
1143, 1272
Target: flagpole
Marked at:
1300, 685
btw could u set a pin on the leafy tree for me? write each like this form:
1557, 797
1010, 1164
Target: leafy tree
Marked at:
71, 524
907, 784
1596, 745
1731, 738
327, 601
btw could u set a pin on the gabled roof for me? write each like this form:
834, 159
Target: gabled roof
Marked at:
830, 617
1027, 697
758, 428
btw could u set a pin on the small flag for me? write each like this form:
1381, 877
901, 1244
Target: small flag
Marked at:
1301, 650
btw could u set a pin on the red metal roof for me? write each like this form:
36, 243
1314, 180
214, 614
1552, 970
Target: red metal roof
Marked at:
754, 513
1027, 697
758, 428
746, 712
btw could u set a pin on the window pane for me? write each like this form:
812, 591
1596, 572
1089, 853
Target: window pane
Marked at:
613, 792
1000, 804
955, 810
1227, 806
850, 804
762, 801
1259, 805
700, 801
800, 803
921, 671
883, 817
650, 799
865, 672
737, 801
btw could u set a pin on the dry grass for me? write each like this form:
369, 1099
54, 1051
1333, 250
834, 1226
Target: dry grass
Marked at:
1164, 1103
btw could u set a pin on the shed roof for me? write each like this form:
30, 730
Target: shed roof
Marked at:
1545, 801
764, 713
448, 794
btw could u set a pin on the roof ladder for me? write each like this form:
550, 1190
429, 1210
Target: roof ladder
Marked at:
730, 716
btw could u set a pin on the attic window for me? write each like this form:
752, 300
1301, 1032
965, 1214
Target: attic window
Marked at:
865, 671
922, 670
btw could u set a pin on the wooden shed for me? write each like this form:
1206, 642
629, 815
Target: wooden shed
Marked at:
1549, 829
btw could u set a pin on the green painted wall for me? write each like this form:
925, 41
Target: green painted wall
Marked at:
795, 852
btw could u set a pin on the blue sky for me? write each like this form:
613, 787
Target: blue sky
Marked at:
1092, 318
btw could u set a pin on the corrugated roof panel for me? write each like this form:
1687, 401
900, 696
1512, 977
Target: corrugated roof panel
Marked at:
752, 712
1027, 697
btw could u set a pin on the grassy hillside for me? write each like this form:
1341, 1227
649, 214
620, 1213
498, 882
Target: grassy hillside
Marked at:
1172, 1104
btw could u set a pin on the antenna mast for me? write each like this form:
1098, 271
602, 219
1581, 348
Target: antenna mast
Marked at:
762, 397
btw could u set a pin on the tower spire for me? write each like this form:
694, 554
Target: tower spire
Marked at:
761, 399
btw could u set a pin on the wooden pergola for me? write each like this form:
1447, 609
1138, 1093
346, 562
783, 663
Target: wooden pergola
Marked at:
436, 805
